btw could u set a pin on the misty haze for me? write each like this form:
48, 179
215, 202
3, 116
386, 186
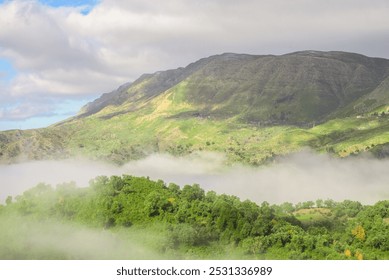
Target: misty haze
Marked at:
299, 177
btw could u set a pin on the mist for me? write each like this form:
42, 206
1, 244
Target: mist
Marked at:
24, 238
299, 177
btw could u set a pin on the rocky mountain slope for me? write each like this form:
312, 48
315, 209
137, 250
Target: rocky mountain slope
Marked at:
250, 107
297, 88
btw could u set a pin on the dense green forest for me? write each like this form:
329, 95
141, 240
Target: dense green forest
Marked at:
145, 219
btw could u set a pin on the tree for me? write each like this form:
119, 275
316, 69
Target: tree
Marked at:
174, 189
8, 200
191, 193
329, 203
287, 207
319, 203
348, 208
308, 204
155, 204
359, 232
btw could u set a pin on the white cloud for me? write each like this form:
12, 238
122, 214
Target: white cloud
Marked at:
62, 52
24, 111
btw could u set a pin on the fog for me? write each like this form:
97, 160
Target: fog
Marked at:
295, 178
23, 238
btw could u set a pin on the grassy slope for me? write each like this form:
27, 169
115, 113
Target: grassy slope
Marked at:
132, 136
179, 121
185, 117
166, 125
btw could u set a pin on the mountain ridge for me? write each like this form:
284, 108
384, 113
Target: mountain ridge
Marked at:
332, 80
252, 108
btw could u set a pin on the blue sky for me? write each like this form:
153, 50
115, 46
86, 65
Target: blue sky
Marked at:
7, 72
88, 4
66, 3
67, 109
74, 3
55, 56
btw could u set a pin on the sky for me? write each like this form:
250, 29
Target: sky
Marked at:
55, 56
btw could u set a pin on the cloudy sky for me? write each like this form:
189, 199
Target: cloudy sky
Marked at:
57, 55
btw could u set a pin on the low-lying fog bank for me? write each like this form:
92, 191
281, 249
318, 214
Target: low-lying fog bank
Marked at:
299, 177
23, 238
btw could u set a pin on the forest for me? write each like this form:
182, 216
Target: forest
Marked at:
146, 219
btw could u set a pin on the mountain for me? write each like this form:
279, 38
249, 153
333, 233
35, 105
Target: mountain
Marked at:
251, 107
298, 88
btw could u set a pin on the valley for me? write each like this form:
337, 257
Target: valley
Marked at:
234, 156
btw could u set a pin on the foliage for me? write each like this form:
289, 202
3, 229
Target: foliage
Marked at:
191, 223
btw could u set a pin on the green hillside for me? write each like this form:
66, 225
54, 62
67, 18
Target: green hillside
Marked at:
252, 108
136, 218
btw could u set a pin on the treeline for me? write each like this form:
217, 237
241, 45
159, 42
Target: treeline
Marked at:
199, 224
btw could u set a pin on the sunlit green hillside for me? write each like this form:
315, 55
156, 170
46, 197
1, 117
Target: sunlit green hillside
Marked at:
127, 137
252, 108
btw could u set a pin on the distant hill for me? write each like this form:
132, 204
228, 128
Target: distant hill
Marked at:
251, 107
